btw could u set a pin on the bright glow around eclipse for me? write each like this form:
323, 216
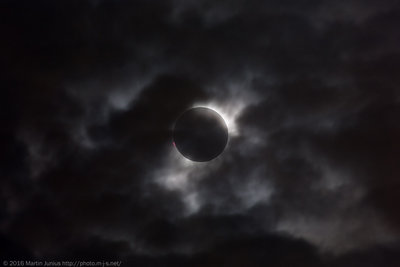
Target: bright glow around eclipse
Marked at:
228, 113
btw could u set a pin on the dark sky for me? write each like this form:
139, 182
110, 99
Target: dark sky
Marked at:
90, 91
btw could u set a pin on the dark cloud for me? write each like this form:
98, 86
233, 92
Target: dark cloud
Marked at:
91, 91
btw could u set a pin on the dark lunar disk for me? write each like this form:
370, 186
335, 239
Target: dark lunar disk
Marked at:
200, 134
